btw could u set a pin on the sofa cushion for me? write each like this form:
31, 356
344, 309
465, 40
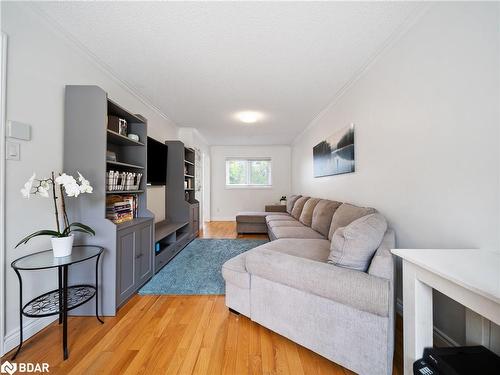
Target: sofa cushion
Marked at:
255, 217
290, 202
298, 206
346, 214
314, 249
322, 215
285, 223
307, 211
234, 270
353, 246
349, 287
273, 217
294, 232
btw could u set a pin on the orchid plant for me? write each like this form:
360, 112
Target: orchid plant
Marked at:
66, 184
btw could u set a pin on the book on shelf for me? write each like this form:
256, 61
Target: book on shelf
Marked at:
116, 180
121, 208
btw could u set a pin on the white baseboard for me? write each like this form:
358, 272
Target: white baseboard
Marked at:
31, 327
441, 338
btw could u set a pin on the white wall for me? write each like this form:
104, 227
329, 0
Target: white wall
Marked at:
227, 202
40, 63
426, 117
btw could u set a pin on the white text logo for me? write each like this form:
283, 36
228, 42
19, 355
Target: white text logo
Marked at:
10, 368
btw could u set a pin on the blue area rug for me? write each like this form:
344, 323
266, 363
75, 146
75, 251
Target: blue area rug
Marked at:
197, 268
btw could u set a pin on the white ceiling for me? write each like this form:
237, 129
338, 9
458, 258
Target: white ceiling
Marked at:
201, 62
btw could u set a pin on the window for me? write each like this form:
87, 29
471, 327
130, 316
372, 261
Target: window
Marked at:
248, 172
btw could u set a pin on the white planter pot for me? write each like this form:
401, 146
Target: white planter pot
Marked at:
62, 246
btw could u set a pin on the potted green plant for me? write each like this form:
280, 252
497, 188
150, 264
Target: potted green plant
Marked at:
62, 237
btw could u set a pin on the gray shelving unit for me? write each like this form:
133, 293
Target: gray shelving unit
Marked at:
182, 223
128, 259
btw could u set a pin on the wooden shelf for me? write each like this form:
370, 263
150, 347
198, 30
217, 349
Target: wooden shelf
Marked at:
188, 189
121, 140
124, 191
188, 162
188, 175
125, 165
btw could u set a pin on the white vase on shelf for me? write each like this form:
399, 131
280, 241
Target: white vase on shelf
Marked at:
62, 246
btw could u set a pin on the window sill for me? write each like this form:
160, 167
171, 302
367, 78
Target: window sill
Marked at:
252, 187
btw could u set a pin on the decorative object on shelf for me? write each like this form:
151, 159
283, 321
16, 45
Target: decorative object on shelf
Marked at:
122, 127
283, 200
186, 196
117, 124
62, 238
133, 137
110, 156
185, 184
335, 155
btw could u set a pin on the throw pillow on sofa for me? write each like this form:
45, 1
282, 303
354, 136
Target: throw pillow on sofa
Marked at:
307, 211
346, 214
298, 206
290, 202
353, 246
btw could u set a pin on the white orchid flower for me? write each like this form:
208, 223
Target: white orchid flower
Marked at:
65, 179
85, 184
43, 189
70, 185
26, 191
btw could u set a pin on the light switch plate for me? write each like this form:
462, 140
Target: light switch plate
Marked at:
13, 150
19, 130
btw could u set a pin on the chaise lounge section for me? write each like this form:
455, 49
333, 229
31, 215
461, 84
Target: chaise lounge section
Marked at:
343, 314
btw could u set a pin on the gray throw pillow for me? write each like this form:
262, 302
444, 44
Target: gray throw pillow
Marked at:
298, 206
353, 246
290, 202
307, 211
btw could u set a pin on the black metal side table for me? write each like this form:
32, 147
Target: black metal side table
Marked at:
63, 299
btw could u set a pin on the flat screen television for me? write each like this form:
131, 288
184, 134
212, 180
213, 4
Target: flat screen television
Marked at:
157, 163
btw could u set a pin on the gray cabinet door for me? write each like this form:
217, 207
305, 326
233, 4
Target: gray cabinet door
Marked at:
145, 259
127, 252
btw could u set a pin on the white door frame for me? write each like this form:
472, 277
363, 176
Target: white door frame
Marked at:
3, 118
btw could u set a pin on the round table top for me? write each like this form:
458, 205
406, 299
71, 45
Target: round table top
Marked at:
46, 259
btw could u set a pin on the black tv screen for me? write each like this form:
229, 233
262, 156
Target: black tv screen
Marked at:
157, 163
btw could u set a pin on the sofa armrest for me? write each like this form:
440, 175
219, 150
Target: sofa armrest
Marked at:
349, 287
275, 208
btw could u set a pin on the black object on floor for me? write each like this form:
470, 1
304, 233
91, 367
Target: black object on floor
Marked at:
463, 360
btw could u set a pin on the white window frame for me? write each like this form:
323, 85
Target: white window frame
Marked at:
248, 185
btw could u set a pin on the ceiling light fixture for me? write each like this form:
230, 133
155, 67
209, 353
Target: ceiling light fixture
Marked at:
249, 117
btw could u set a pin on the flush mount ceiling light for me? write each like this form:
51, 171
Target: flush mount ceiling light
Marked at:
249, 117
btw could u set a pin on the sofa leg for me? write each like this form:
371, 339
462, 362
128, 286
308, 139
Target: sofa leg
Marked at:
233, 311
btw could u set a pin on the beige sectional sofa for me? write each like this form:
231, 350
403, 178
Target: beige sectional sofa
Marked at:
287, 285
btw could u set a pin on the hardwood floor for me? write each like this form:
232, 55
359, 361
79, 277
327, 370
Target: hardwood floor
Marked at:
178, 335
226, 229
